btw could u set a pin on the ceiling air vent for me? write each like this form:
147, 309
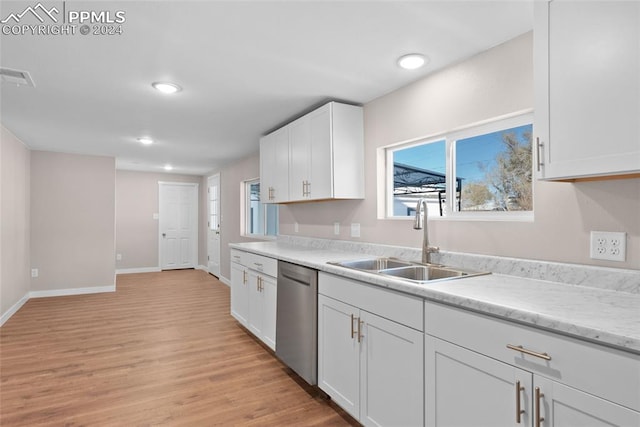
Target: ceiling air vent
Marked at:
16, 77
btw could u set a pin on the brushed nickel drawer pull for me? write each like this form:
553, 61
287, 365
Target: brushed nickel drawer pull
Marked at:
519, 410
521, 349
539, 396
360, 322
353, 332
539, 161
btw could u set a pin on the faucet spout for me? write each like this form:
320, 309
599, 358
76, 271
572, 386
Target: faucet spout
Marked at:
421, 222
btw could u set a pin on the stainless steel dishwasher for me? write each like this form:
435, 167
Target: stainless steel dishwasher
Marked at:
297, 319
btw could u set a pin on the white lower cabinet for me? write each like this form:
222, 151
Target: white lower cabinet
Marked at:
262, 307
474, 379
240, 293
465, 388
254, 294
565, 406
371, 366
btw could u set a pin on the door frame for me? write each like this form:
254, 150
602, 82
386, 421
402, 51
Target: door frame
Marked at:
195, 231
219, 221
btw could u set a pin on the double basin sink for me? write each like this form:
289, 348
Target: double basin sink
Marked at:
407, 270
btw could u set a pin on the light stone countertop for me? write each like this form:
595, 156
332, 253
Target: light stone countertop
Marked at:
604, 316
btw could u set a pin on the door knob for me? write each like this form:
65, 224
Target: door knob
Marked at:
164, 234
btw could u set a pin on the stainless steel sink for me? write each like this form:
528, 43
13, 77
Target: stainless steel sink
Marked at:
407, 270
373, 264
421, 273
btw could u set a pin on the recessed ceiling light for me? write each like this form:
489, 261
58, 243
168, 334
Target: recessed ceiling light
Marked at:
166, 87
145, 140
168, 167
412, 61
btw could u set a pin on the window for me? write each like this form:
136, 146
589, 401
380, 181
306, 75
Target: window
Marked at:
260, 219
480, 171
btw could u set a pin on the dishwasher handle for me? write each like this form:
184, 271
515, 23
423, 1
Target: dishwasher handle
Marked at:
302, 275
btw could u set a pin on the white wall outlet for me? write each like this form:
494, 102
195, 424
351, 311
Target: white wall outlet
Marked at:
156, 216
611, 246
34, 272
336, 228
118, 257
355, 229
296, 227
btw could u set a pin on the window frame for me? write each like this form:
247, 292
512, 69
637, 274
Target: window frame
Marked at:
246, 213
450, 211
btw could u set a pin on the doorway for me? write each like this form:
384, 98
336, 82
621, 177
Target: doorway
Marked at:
213, 228
178, 225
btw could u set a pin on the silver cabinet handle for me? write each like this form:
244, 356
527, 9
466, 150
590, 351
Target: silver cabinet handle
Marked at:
539, 396
521, 349
519, 410
353, 332
539, 161
360, 323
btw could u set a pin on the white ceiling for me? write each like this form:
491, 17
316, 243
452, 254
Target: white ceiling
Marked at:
246, 67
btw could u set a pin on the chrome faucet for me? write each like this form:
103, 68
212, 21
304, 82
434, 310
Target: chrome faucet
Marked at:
421, 223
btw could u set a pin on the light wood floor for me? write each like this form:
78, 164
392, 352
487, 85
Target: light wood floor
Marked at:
161, 350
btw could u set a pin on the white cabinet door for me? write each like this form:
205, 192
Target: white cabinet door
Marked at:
587, 88
321, 165
269, 299
274, 167
338, 353
565, 406
240, 293
256, 305
391, 363
464, 388
299, 158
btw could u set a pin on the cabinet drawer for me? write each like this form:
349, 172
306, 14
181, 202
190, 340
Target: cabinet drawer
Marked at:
400, 308
263, 264
602, 371
239, 257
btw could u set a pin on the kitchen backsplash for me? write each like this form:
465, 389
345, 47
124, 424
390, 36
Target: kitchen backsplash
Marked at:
616, 279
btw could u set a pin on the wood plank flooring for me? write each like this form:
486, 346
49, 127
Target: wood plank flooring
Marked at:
161, 350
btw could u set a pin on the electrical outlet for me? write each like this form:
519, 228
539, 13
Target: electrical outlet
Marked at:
34, 272
611, 246
296, 227
118, 257
336, 228
355, 229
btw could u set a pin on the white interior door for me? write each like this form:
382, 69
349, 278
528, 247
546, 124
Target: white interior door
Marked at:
213, 230
178, 225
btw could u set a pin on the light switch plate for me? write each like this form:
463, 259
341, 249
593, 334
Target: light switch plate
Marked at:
336, 228
355, 229
156, 216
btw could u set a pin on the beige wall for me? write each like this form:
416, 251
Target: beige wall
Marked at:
231, 178
136, 230
72, 221
15, 273
491, 84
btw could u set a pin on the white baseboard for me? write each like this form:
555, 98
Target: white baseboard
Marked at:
202, 267
138, 270
71, 291
14, 308
225, 281
53, 293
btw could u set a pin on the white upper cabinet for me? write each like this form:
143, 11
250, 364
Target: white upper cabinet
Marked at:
587, 88
325, 152
274, 167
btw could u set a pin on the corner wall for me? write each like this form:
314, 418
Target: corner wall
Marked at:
15, 275
231, 178
136, 229
72, 223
